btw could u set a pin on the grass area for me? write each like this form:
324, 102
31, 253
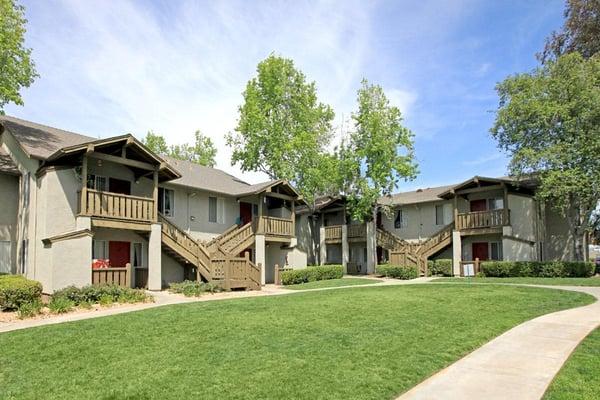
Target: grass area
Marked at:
359, 343
595, 281
578, 379
333, 283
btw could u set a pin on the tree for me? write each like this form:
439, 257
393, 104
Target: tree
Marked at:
283, 129
17, 69
379, 155
580, 33
202, 152
549, 122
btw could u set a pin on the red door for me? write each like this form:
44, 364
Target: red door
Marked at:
478, 205
480, 250
245, 212
118, 253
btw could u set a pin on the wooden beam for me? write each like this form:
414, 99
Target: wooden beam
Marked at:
90, 148
280, 196
479, 189
121, 160
505, 205
111, 223
83, 201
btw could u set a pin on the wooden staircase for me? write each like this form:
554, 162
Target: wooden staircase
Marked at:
213, 263
233, 241
416, 254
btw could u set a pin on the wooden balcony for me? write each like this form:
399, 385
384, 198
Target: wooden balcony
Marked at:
483, 221
275, 227
357, 232
115, 206
333, 234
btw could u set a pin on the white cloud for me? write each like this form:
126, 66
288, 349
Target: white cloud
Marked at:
402, 99
484, 159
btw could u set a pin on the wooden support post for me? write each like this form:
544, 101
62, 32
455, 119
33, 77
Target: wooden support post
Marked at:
227, 271
128, 275
276, 278
456, 212
155, 195
84, 178
505, 215
293, 217
476, 266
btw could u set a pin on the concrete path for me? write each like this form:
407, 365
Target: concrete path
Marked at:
521, 363
165, 298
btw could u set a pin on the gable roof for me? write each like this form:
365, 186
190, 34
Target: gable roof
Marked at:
40, 141
416, 196
7, 165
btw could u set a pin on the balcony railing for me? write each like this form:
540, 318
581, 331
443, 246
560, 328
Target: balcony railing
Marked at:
333, 233
357, 231
483, 219
275, 226
117, 206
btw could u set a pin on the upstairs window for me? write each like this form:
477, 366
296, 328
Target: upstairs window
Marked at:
439, 214
400, 220
495, 204
166, 202
216, 210
97, 182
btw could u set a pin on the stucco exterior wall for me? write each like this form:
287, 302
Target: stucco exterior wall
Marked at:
467, 244
71, 263
172, 271
419, 220
523, 217
558, 241
308, 239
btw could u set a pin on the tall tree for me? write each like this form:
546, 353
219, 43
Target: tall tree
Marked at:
202, 152
549, 122
580, 33
379, 155
283, 129
17, 69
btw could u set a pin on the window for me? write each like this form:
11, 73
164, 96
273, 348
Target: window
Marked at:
439, 214
97, 182
24, 255
99, 249
166, 202
495, 204
496, 251
137, 257
216, 210
365, 253
400, 220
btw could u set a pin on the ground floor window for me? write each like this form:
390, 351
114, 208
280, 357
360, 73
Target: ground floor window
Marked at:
100, 250
496, 251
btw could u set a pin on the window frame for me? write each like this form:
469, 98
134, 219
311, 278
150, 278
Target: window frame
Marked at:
499, 255
441, 221
133, 257
104, 244
399, 219
163, 193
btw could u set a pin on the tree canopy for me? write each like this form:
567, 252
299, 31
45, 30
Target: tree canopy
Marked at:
17, 69
380, 152
202, 152
548, 120
283, 130
580, 33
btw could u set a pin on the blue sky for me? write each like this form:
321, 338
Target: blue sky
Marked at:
111, 67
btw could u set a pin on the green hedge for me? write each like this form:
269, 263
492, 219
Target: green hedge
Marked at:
397, 271
311, 274
442, 266
551, 269
16, 290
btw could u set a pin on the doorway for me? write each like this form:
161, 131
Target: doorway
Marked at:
245, 212
119, 254
120, 186
480, 250
478, 205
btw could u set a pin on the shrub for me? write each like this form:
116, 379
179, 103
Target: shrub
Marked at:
397, 271
60, 305
312, 274
30, 309
550, 269
194, 288
442, 266
16, 290
103, 294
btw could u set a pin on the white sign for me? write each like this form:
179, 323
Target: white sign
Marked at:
469, 269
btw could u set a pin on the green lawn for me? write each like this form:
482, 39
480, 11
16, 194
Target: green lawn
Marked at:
579, 377
359, 343
595, 281
333, 283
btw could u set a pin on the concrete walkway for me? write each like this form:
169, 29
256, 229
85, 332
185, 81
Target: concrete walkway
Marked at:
521, 363
165, 298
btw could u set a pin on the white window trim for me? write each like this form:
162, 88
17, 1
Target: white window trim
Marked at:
220, 211
500, 251
171, 210
105, 250
435, 208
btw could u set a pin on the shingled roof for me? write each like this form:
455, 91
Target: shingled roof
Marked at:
416, 196
7, 164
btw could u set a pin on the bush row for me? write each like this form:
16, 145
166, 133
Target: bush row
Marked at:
442, 266
550, 269
397, 271
65, 299
16, 290
193, 288
311, 274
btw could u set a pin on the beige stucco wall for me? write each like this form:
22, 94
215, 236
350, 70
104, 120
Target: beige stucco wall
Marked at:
420, 220
558, 241
71, 263
142, 188
9, 206
308, 240
172, 271
523, 216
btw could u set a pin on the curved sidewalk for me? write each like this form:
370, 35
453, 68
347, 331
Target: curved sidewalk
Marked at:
519, 364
